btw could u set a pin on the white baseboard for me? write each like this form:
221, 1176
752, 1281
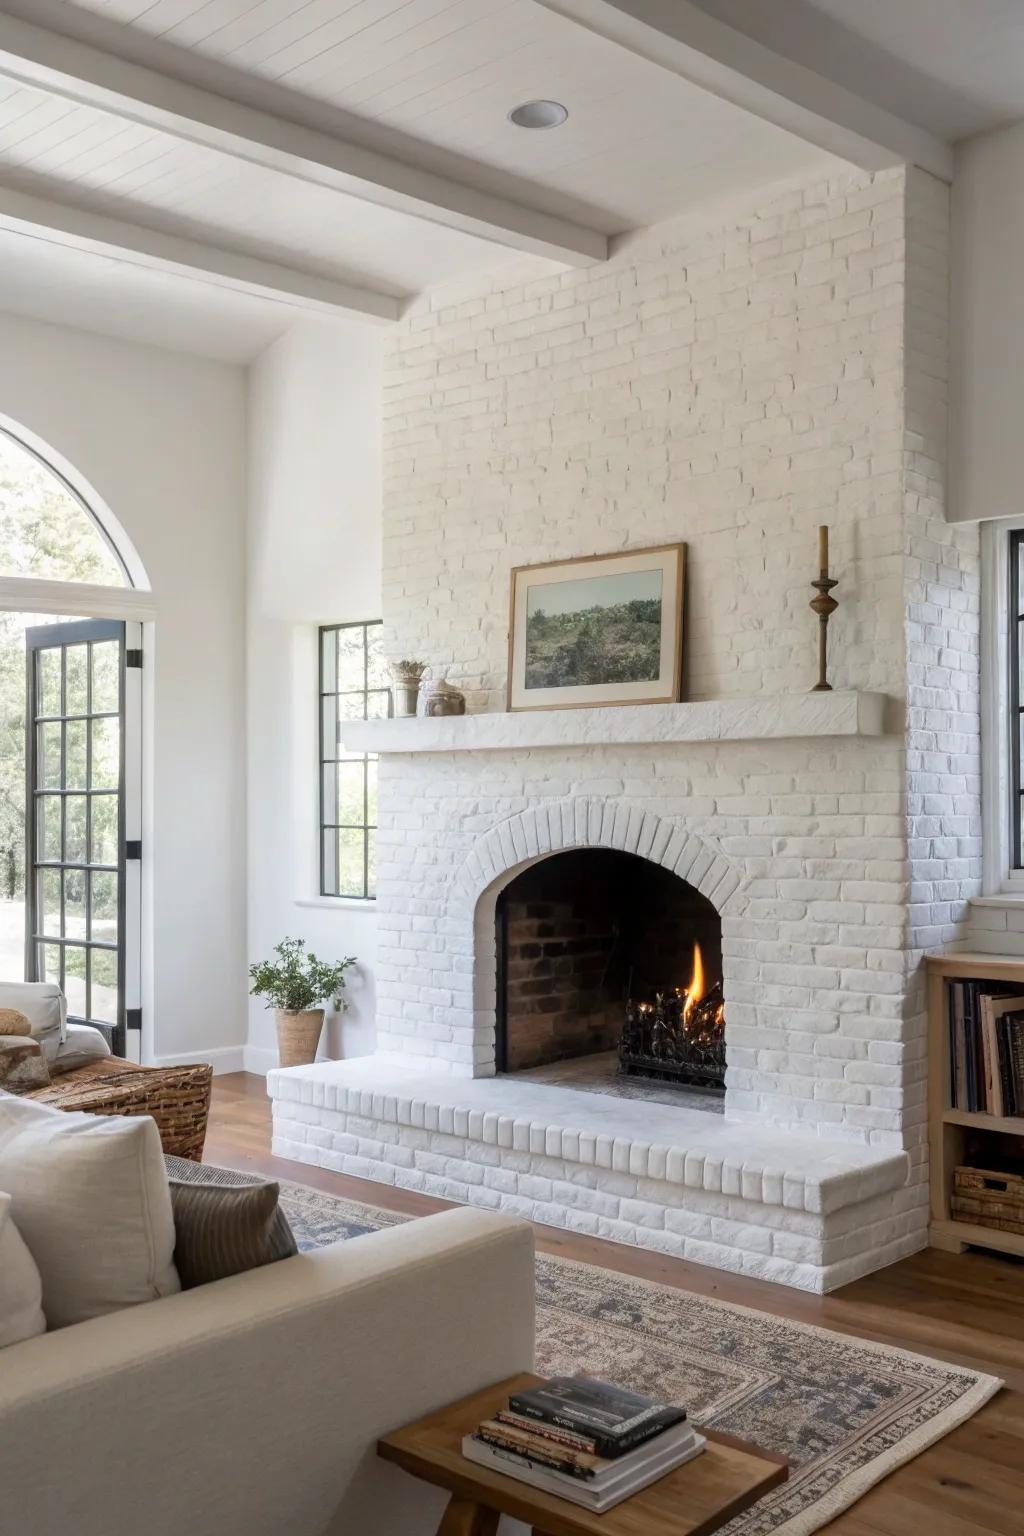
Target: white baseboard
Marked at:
259, 1059
224, 1058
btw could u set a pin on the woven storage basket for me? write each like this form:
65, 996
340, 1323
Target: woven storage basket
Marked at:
988, 1198
178, 1098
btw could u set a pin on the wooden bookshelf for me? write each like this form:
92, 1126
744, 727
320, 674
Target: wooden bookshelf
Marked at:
947, 1127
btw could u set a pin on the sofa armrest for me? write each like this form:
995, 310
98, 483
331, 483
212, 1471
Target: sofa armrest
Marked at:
253, 1406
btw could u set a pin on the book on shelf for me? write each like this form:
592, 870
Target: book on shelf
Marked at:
986, 1048
586, 1440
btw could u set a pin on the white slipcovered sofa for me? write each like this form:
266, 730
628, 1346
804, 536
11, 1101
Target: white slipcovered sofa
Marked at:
251, 1407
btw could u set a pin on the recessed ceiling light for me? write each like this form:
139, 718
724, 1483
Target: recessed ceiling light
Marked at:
539, 114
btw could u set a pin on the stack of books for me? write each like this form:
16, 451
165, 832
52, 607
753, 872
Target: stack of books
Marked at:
584, 1440
986, 1048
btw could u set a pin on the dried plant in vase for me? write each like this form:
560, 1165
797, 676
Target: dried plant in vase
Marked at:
407, 676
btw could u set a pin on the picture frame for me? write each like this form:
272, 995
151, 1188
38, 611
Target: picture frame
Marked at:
597, 630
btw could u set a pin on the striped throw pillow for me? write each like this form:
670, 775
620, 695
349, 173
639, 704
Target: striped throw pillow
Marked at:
224, 1222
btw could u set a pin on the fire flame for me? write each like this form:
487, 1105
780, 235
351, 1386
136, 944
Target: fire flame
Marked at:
695, 991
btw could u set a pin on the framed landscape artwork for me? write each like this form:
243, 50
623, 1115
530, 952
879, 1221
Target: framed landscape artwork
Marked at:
601, 629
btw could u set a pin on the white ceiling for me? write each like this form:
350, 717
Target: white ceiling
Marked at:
92, 159
49, 280
641, 143
344, 155
955, 67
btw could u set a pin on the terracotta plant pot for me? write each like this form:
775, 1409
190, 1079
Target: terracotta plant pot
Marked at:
298, 1035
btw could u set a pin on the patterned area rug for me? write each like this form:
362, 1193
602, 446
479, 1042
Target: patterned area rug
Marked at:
845, 1411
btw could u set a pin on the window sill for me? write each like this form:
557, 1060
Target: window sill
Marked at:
1000, 899
333, 903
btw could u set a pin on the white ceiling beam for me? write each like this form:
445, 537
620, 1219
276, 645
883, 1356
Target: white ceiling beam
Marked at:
79, 72
62, 224
683, 39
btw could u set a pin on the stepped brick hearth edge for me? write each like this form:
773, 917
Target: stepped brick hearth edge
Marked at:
795, 1209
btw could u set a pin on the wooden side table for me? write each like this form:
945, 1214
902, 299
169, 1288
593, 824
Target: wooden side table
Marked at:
694, 1500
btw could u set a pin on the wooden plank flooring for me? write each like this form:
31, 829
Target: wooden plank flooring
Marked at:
967, 1309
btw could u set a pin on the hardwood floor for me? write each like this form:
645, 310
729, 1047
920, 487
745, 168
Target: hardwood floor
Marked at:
966, 1309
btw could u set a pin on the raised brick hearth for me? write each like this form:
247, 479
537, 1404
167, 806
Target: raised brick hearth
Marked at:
793, 1209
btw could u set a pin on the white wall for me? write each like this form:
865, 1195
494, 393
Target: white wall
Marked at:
161, 437
313, 558
987, 312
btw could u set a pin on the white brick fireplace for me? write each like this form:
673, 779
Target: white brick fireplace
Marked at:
817, 1189
733, 388
468, 803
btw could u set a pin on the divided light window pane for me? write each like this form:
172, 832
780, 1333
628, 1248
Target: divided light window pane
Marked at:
353, 686
1016, 702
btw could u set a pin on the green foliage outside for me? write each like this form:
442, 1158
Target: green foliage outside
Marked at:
620, 643
44, 532
300, 981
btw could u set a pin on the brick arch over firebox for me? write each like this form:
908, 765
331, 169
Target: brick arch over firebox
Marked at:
590, 822
506, 849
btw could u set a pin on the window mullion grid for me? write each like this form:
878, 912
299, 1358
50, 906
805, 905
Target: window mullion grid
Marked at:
360, 699
63, 808
366, 760
88, 828
1016, 710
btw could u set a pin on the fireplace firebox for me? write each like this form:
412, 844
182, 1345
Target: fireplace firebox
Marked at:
600, 951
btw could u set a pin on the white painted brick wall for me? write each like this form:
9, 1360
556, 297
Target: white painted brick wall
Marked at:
732, 389
943, 726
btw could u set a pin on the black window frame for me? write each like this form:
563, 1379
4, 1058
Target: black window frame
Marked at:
59, 636
1015, 643
325, 761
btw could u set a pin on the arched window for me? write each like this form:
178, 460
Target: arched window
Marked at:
70, 734
46, 530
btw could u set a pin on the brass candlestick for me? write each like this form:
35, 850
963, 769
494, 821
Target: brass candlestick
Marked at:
824, 605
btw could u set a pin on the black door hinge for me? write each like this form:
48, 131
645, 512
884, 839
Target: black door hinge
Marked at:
133, 1018
133, 658
133, 848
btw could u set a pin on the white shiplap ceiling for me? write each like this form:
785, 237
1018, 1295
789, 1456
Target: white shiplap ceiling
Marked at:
350, 153
954, 66
94, 159
640, 144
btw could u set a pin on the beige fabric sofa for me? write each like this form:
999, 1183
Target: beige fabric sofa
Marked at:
252, 1407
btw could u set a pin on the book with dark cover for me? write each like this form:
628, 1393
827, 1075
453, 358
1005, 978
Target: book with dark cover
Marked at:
1015, 1034
957, 1059
616, 1420
970, 1043
1005, 1065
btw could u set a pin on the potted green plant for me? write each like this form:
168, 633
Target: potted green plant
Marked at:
295, 987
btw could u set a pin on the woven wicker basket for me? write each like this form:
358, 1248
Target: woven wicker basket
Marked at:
988, 1198
178, 1098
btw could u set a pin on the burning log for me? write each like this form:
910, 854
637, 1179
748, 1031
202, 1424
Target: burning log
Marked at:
680, 1035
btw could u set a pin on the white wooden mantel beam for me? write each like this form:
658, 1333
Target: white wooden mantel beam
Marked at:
63, 224
79, 72
679, 36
